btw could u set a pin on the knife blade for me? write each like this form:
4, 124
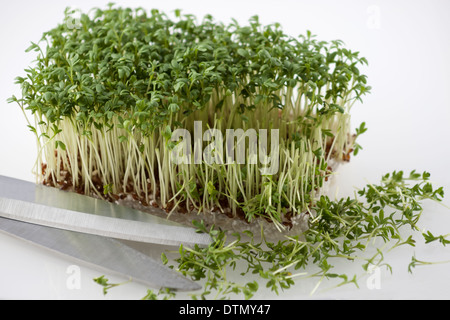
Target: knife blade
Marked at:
33, 203
104, 254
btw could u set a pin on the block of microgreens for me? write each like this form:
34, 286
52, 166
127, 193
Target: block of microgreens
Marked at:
107, 95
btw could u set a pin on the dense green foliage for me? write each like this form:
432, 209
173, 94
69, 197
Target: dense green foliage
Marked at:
146, 67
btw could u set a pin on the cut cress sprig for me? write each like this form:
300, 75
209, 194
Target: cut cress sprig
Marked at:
348, 229
345, 229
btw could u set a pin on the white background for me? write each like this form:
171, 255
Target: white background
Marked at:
407, 45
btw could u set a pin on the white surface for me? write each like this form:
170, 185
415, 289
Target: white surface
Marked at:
408, 116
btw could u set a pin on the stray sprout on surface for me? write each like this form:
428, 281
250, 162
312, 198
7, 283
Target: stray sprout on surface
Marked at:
108, 96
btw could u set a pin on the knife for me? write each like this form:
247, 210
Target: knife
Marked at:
46, 206
104, 254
